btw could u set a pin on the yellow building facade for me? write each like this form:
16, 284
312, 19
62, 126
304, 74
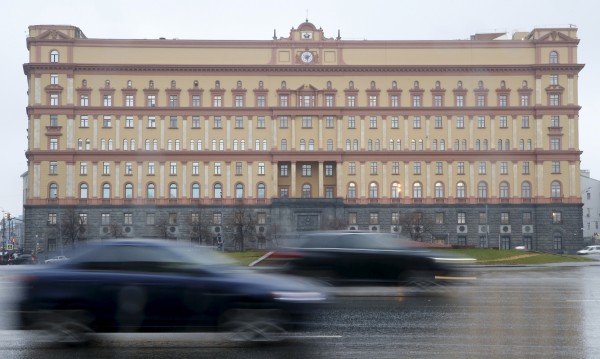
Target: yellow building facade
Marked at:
478, 137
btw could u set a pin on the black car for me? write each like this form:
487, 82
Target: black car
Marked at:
159, 286
23, 259
361, 258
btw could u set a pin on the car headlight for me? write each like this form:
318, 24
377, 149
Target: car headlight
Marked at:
299, 296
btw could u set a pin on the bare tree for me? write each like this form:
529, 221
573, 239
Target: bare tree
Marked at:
244, 224
115, 230
200, 232
164, 226
415, 225
72, 227
275, 233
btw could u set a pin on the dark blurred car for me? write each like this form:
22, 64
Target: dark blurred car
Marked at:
361, 258
23, 259
159, 286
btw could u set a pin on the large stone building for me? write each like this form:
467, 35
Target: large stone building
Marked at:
471, 142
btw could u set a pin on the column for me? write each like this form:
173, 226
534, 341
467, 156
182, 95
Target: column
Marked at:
293, 189
320, 190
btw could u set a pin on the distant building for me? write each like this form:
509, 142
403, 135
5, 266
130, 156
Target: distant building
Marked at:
471, 142
590, 194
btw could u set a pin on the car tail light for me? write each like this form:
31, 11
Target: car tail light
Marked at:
285, 255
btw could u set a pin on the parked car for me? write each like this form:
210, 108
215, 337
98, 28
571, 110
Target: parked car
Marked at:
57, 259
23, 259
589, 250
137, 285
361, 258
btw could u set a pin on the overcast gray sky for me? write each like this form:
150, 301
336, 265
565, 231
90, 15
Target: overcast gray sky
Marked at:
256, 20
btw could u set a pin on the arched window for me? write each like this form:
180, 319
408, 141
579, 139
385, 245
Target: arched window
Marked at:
173, 190
261, 190
284, 144
257, 145
499, 145
373, 190
459, 84
147, 145
413, 145
192, 145
83, 191
421, 145
235, 145
329, 144
132, 142
243, 145
377, 145
439, 190
265, 146
524, 84
80, 144
482, 190
485, 145
372, 84
398, 145
302, 145
54, 57
106, 191
416, 84
177, 145
128, 190
553, 57
351, 190
522, 144
110, 144
155, 145
477, 145
151, 191
306, 191
214, 145
199, 147
351, 84
218, 190
195, 190
169, 145
555, 189
391, 146
53, 191
442, 145
526, 190
396, 190
504, 189
460, 190
438, 85
507, 145
435, 148
370, 145
456, 145
87, 144
125, 145
311, 145
355, 145
464, 145
239, 191
417, 190
348, 145
129, 84
103, 144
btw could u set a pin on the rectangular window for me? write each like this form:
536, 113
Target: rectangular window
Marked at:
195, 218
83, 218
53, 120
373, 122
482, 168
554, 121
239, 122
54, 144
352, 218
306, 170
107, 100
53, 79
524, 100
107, 123
394, 101
460, 168
328, 170
106, 168
217, 122
555, 167
151, 101
373, 168
217, 169
438, 121
373, 218
417, 168
151, 122
504, 218
54, 99
503, 168
460, 101
480, 101
329, 121
129, 101
128, 168
395, 168
238, 169
151, 168
461, 218
395, 122
195, 100
503, 122
173, 168
261, 168
128, 219
173, 101
53, 168
195, 168
417, 122
84, 100
351, 101
351, 122
502, 101
439, 168
284, 192
195, 121
352, 168
553, 80
217, 101
525, 121
437, 101
482, 218
460, 122
260, 122
261, 218
555, 143
439, 218
283, 170
129, 122
525, 168
173, 122
173, 218
372, 101
416, 101
283, 122
150, 218
554, 100
306, 122
105, 219
239, 101
527, 219
83, 168
217, 218
283, 101
481, 122
51, 218
261, 101
329, 101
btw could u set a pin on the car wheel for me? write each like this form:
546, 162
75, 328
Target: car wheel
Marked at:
65, 327
417, 278
253, 325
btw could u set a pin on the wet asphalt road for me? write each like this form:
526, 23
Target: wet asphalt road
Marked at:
532, 312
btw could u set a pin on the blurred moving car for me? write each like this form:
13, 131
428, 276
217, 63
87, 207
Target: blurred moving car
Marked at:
159, 286
589, 250
23, 259
57, 259
360, 258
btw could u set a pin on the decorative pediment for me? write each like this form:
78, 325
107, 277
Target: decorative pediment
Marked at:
306, 88
53, 35
556, 36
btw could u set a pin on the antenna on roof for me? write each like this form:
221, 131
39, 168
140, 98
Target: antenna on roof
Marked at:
306, 15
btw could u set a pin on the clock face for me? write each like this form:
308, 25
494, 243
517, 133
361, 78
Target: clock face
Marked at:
306, 56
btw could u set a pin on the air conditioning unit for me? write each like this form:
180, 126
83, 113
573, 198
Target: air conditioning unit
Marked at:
216, 229
461, 228
128, 229
527, 229
396, 229
483, 229
504, 229
353, 228
374, 228
261, 229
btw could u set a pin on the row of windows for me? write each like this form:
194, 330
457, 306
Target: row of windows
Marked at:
461, 218
307, 122
306, 169
373, 190
215, 218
